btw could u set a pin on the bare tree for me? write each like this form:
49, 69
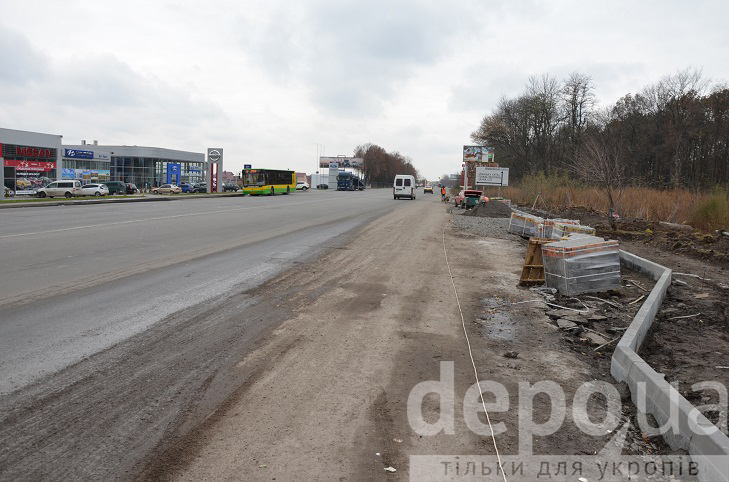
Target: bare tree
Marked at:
578, 104
602, 163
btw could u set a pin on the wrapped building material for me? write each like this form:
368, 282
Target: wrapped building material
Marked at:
546, 230
561, 229
524, 224
583, 264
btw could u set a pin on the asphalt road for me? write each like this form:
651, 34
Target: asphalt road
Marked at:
121, 324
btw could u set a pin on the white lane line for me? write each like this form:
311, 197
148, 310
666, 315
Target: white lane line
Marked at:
160, 218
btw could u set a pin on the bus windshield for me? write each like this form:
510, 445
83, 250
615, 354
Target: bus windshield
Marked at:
254, 179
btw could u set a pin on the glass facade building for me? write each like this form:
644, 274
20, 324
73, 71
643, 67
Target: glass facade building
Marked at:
147, 167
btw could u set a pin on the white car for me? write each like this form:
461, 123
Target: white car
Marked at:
94, 190
302, 186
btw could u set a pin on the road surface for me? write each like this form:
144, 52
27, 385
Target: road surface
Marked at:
118, 320
260, 339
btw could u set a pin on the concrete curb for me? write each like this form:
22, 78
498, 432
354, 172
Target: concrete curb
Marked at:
110, 200
684, 427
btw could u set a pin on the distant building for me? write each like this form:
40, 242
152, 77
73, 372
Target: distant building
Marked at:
228, 177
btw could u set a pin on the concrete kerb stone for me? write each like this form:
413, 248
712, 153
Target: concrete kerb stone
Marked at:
111, 200
694, 432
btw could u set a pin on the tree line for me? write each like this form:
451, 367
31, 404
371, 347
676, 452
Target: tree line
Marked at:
671, 134
380, 166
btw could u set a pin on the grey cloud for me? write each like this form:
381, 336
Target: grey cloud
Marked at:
351, 56
21, 63
484, 84
99, 95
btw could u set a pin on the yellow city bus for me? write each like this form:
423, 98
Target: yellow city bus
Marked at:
268, 181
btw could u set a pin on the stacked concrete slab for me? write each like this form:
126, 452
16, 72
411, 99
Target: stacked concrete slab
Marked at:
524, 224
581, 264
547, 226
561, 229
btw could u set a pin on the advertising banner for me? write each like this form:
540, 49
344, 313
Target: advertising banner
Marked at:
31, 166
86, 176
478, 153
492, 176
342, 162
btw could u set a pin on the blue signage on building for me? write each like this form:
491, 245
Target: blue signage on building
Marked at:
173, 173
247, 166
77, 154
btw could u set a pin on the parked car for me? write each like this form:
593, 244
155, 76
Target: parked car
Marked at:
167, 189
185, 186
230, 187
116, 187
302, 186
322, 186
131, 188
8, 192
468, 198
94, 190
428, 188
199, 187
61, 188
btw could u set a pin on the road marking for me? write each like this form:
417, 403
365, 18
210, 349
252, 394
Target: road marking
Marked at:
161, 218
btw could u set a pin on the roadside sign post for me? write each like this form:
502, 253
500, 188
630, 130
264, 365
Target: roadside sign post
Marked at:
215, 167
492, 176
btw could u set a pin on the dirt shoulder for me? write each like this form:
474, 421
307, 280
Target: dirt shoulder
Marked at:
328, 399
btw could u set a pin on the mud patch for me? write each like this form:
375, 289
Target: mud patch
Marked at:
495, 321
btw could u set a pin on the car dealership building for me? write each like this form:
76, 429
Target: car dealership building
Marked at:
31, 160
144, 166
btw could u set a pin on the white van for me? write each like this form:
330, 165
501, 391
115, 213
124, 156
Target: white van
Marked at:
61, 188
404, 186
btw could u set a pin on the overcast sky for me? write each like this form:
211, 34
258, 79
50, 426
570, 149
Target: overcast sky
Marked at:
277, 83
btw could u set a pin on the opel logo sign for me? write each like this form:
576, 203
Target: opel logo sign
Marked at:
214, 155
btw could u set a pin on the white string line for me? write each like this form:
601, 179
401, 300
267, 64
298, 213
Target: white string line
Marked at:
470, 353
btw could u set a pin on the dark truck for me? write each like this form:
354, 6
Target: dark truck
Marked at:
347, 181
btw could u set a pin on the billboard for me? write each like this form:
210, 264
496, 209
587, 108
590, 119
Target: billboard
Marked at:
342, 162
478, 153
492, 176
86, 176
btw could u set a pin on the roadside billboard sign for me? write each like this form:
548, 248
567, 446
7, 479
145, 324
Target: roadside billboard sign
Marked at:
342, 162
492, 176
478, 153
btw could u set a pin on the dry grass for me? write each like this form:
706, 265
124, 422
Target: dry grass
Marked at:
708, 211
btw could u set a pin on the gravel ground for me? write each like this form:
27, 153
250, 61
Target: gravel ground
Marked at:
488, 227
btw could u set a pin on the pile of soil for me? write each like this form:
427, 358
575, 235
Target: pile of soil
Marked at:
492, 209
